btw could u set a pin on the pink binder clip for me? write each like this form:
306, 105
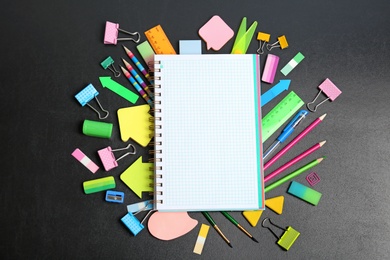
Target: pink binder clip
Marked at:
108, 158
111, 34
329, 89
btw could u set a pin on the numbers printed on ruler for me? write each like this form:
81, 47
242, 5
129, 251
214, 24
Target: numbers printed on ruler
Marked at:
159, 41
280, 114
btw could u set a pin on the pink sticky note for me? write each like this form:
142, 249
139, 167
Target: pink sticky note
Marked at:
84, 160
270, 68
170, 225
216, 33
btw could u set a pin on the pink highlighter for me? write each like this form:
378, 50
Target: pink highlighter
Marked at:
270, 68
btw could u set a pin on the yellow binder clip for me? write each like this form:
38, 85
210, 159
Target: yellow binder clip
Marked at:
262, 38
287, 239
282, 43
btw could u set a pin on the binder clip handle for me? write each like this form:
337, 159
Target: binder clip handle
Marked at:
125, 148
314, 100
130, 33
268, 227
94, 109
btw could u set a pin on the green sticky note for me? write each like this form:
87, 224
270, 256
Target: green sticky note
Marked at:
117, 88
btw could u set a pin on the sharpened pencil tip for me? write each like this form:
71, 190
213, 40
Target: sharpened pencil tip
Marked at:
322, 117
254, 239
322, 143
230, 245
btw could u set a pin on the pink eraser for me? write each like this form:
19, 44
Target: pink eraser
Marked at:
111, 33
270, 68
108, 159
84, 160
330, 89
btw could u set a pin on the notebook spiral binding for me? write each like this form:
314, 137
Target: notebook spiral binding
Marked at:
156, 151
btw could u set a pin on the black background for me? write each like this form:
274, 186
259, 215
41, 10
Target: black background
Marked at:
50, 50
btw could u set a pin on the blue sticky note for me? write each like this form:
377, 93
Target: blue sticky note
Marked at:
190, 47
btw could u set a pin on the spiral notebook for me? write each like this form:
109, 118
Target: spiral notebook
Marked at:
208, 147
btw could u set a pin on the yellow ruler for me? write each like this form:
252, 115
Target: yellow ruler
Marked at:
159, 41
280, 114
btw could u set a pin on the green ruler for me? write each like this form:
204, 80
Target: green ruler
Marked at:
280, 114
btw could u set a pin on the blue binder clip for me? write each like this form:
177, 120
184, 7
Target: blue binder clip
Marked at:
132, 223
86, 95
115, 196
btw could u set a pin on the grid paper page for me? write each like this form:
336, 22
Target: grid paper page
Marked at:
211, 133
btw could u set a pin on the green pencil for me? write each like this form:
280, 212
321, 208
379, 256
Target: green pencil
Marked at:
293, 174
229, 217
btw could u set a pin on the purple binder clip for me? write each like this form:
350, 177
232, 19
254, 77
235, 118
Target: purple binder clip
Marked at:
108, 158
329, 89
111, 34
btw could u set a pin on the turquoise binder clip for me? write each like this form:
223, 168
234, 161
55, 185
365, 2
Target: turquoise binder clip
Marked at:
243, 38
287, 239
108, 63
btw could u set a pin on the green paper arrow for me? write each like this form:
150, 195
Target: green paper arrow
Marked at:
136, 177
117, 88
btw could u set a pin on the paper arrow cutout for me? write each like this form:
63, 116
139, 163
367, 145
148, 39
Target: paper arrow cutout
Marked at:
252, 216
275, 204
134, 123
118, 89
275, 91
136, 177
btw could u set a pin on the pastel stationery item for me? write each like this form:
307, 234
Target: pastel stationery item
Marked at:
140, 206
279, 115
262, 38
305, 193
275, 204
84, 160
108, 63
115, 196
293, 142
136, 177
216, 33
244, 37
118, 89
108, 158
294, 161
281, 42
294, 174
212, 222
252, 216
86, 95
313, 178
137, 77
100, 184
141, 68
111, 34
170, 225
182, 121
159, 41
292, 64
287, 239
190, 47
204, 230
132, 223
97, 129
275, 91
329, 89
270, 68
140, 90
135, 124
146, 52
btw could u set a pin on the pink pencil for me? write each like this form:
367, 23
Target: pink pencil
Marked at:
294, 161
294, 141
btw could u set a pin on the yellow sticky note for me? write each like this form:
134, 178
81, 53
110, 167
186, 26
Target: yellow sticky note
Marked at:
252, 216
204, 229
136, 177
134, 123
275, 204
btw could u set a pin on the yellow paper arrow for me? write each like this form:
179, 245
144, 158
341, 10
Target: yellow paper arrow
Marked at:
134, 123
136, 177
